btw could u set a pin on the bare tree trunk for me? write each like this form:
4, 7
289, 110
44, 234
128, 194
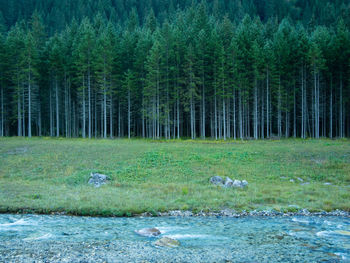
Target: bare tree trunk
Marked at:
66, 108
119, 128
192, 116
255, 110
234, 115
228, 118
19, 114
262, 120
89, 103
316, 107
94, 119
267, 105
341, 125
240, 115
143, 117
331, 111
279, 121
178, 114
39, 118
69, 110
224, 117
74, 130
203, 111
158, 105
104, 114
302, 105
57, 111
29, 106
294, 115
215, 116
129, 113
2, 112
23, 114
84, 110
111, 116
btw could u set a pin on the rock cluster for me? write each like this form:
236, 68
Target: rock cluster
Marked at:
270, 213
162, 242
218, 180
97, 179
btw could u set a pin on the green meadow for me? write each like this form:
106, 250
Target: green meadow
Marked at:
45, 175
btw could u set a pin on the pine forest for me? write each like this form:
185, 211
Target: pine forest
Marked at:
215, 69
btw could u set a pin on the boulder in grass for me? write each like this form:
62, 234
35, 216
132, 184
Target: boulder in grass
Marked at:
148, 232
228, 182
237, 184
167, 242
244, 183
97, 179
217, 180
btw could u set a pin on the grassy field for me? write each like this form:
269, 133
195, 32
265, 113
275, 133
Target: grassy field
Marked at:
50, 175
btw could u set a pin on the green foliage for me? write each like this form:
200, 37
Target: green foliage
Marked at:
175, 68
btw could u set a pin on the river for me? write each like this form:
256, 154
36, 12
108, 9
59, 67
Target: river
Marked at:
53, 238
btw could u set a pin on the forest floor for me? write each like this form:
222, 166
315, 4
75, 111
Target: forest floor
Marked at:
45, 175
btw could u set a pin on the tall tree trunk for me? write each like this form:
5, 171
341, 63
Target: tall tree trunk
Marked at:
192, 116
262, 118
158, 105
240, 115
89, 102
29, 105
119, 124
57, 111
228, 118
234, 115
2, 112
84, 111
111, 116
331, 111
224, 117
294, 114
341, 125
203, 110
129, 114
143, 117
178, 114
267, 105
279, 121
39, 118
316, 107
215, 115
66, 107
19, 114
104, 114
23, 114
255, 110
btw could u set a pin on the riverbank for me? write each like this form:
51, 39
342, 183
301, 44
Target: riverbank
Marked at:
44, 176
227, 213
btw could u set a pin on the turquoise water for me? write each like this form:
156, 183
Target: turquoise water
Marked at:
205, 239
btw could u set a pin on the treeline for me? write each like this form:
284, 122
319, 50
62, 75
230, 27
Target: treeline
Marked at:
196, 74
56, 14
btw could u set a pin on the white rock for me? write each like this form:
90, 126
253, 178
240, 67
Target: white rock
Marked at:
148, 232
228, 182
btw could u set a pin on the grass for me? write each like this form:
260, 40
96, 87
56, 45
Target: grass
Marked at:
45, 175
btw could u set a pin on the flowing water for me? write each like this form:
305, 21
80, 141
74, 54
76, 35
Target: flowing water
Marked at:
42, 238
